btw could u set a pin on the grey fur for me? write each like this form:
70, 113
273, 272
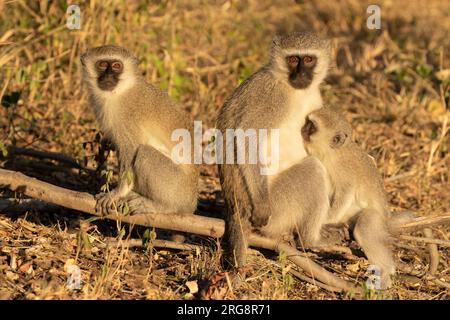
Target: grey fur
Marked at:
140, 121
357, 194
265, 101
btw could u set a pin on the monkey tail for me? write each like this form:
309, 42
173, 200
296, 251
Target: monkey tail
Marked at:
397, 219
236, 242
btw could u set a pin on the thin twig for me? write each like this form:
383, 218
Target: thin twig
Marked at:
313, 281
157, 243
434, 253
444, 243
423, 222
46, 155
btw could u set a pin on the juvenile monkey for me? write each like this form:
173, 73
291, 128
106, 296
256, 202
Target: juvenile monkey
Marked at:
277, 96
139, 119
357, 195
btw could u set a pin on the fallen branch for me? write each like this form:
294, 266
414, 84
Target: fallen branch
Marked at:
85, 202
45, 155
428, 240
423, 222
189, 223
16, 205
157, 243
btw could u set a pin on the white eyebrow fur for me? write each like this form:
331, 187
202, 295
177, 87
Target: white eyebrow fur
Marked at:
126, 79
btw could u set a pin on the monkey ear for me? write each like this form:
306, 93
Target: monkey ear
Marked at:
83, 59
338, 140
276, 40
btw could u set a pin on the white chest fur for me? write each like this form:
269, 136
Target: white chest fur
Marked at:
107, 114
291, 148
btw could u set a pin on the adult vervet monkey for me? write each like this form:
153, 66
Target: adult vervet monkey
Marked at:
139, 119
277, 96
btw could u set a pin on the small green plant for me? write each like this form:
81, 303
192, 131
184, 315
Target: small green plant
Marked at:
424, 70
3, 149
148, 236
108, 175
288, 280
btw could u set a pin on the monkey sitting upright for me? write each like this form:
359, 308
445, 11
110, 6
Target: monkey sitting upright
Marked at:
277, 97
356, 192
139, 119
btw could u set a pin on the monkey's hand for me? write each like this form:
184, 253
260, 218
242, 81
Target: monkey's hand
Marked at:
261, 214
334, 233
109, 202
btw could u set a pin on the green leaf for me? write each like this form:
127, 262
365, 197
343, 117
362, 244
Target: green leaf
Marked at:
424, 70
129, 177
125, 209
146, 237
282, 256
3, 149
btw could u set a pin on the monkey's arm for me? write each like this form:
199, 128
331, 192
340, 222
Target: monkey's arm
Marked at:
257, 188
341, 202
108, 202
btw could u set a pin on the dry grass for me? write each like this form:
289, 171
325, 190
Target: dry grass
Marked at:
390, 83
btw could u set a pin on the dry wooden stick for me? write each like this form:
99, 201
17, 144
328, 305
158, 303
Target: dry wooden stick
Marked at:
157, 243
423, 222
46, 155
428, 240
303, 262
200, 225
85, 202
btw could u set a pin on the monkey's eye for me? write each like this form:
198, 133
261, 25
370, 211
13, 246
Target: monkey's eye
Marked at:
117, 66
309, 61
292, 61
102, 65
337, 141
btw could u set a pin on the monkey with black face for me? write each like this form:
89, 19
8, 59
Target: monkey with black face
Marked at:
139, 119
356, 195
278, 96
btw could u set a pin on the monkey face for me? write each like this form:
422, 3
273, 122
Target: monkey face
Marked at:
301, 70
318, 137
308, 129
108, 72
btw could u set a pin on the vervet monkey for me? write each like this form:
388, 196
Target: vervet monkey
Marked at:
139, 119
357, 194
277, 96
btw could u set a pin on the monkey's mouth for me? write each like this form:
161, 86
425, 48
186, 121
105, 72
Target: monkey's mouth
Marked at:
107, 84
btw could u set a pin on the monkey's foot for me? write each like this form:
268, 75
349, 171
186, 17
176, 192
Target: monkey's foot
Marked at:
334, 233
261, 215
139, 204
108, 203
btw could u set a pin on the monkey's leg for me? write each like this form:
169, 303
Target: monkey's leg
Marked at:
335, 232
110, 202
257, 188
371, 233
163, 185
302, 204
